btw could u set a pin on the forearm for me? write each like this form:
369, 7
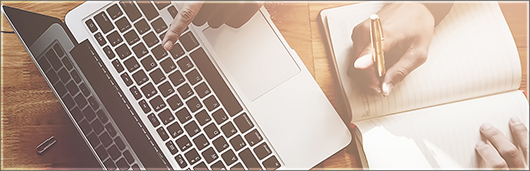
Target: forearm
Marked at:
439, 10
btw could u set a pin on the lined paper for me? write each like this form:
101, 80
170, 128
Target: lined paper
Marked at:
472, 54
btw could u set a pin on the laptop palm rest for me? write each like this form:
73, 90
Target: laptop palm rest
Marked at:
252, 56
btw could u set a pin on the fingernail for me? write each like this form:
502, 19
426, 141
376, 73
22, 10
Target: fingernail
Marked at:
377, 90
479, 143
387, 87
168, 44
515, 120
363, 62
485, 126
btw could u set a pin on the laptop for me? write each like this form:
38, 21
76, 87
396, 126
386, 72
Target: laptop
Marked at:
223, 98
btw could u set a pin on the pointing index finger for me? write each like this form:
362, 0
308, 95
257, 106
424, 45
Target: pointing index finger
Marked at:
181, 21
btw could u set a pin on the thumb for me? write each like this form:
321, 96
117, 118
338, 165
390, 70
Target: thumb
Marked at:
180, 23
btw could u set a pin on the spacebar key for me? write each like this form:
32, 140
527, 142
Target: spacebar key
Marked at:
215, 80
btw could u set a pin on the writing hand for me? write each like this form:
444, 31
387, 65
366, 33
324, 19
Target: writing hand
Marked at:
215, 13
502, 153
408, 31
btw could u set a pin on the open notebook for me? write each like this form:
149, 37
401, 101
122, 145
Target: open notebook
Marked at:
432, 118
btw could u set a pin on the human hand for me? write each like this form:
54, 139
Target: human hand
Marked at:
215, 13
408, 30
504, 154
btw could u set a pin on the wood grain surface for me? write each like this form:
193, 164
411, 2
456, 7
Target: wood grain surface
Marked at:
31, 113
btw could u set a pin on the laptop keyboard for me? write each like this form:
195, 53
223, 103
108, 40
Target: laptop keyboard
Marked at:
184, 97
87, 111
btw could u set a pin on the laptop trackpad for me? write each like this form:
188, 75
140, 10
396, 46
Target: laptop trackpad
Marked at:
252, 56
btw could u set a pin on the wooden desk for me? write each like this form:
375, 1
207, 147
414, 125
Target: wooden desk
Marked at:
31, 113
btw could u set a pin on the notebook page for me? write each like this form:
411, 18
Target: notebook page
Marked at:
446, 135
472, 54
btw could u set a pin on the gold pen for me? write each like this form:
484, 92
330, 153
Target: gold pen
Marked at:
376, 36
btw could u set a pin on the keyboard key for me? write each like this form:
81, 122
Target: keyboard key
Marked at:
188, 41
122, 164
202, 89
249, 160
183, 115
209, 155
135, 167
149, 90
217, 83
72, 87
185, 64
211, 103
140, 77
84, 89
144, 106
123, 24
110, 129
52, 76
203, 117
61, 90
172, 10
185, 91
253, 138
182, 163
271, 163
97, 126
194, 77
218, 166
103, 22
114, 152
135, 92
229, 157
220, 144
114, 38
168, 65
102, 153
237, 166
201, 142
93, 102
76, 113
262, 150
117, 65
140, 50
183, 143
114, 11
219, 116
93, 139
85, 127
171, 147
192, 129
148, 63
105, 139
125, 77
63, 75
176, 51
157, 76
237, 143
211, 131
153, 120
131, 64
123, 51
159, 52
148, 9
119, 143
194, 104
174, 130
174, 102
161, 4
130, 9
81, 102
101, 115
166, 89
110, 54
157, 103
243, 123
109, 164
192, 156
100, 39
75, 76
91, 26
131, 37
228, 129
176, 78
128, 156
142, 26
162, 133
159, 25
44, 64
54, 60
166, 116
67, 63
150, 39
58, 50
